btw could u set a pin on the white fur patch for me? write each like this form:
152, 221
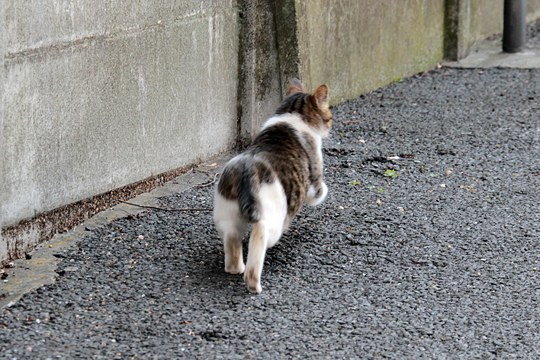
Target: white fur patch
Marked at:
227, 215
311, 200
297, 123
273, 209
273, 203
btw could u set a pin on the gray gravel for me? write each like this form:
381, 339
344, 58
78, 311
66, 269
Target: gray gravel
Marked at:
427, 247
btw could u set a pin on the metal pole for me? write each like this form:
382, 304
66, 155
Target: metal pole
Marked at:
515, 23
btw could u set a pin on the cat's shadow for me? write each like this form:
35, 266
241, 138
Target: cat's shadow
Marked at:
206, 268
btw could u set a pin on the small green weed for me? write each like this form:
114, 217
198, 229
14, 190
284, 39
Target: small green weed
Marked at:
391, 173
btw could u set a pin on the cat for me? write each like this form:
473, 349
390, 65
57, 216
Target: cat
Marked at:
268, 183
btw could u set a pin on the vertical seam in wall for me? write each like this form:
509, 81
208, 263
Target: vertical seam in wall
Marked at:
287, 41
3, 75
240, 87
304, 61
276, 43
451, 25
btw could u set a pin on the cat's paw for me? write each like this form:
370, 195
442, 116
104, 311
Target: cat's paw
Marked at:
315, 197
235, 268
253, 281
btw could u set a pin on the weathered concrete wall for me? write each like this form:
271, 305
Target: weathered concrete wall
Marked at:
359, 45
467, 21
485, 18
533, 10
3, 155
97, 95
259, 91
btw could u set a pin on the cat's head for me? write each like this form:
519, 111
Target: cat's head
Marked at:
313, 108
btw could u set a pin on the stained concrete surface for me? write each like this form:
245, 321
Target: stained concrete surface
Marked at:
488, 53
99, 95
348, 45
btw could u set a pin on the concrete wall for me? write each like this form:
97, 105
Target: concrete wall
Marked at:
101, 94
533, 10
485, 18
3, 155
467, 21
359, 45
259, 92
98, 97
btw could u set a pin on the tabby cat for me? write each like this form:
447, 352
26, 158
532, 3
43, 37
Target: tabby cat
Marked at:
267, 184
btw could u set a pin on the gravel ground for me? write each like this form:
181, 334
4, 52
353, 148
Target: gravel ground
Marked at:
427, 247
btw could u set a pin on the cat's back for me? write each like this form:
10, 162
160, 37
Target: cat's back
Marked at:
279, 144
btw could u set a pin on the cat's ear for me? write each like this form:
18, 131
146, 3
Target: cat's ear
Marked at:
295, 86
321, 95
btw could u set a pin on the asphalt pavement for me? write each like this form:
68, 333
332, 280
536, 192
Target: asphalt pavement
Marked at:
428, 246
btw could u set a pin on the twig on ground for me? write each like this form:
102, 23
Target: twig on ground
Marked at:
183, 209
210, 182
165, 209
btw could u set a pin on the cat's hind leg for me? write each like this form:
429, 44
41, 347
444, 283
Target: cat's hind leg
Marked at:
231, 227
266, 232
255, 260
232, 246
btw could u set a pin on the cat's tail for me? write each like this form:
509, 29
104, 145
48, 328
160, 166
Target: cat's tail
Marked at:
256, 174
241, 181
249, 206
